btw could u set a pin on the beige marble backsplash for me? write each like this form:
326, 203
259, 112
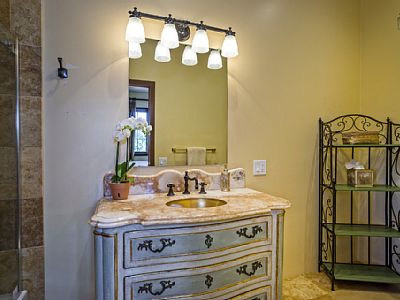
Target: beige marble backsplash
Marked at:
157, 183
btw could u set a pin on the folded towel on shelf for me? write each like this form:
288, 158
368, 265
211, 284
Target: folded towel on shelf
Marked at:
196, 156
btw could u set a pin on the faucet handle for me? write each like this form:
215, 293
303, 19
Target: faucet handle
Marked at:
171, 189
202, 189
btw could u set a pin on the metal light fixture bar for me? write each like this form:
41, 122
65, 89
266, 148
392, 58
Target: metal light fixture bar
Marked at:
136, 13
176, 31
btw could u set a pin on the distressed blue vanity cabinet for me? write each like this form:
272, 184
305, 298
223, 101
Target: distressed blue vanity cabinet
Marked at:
231, 259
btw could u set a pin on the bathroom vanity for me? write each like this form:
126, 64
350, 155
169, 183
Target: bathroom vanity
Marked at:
214, 246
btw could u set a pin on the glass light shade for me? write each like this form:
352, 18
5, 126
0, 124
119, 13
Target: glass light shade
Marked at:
169, 36
135, 51
135, 30
214, 60
189, 57
200, 42
162, 53
229, 47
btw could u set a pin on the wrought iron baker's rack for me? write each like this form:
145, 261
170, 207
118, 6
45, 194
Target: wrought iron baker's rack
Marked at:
330, 149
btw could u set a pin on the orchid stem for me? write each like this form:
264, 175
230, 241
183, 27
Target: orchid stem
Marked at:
116, 162
127, 159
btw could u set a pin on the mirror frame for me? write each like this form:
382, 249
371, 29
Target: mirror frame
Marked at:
151, 85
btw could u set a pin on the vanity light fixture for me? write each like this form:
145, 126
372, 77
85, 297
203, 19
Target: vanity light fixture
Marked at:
214, 60
189, 56
200, 42
175, 31
135, 28
229, 46
135, 51
169, 35
162, 53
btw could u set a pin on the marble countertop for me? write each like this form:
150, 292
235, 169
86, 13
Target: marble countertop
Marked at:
151, 209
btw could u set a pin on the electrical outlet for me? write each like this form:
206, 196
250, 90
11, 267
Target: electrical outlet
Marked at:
162, 161
259, 167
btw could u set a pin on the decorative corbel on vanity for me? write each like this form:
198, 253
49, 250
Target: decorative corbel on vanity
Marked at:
146, 249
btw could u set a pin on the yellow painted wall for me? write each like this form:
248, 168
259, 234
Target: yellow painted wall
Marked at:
380, 58
299, 60
191, 104
379, 85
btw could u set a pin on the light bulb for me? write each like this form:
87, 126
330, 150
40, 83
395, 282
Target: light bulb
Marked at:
200, 42
135, 51
169, 36
135, 30
229, 46
162, 53
189, 57
214, 60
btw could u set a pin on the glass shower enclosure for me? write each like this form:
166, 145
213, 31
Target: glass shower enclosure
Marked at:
9, 169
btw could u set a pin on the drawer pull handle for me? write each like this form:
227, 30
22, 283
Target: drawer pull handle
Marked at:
148, 287
243, 232
255, 266
209, 281
209, 240
256, 298
148, 245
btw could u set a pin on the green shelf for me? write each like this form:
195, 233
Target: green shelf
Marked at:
363, 230
375, 188
365, 146
380, 274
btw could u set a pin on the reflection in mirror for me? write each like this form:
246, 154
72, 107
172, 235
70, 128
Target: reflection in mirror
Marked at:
187, 107
141, 105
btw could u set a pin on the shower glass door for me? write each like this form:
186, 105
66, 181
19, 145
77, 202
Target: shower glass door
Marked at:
9, 167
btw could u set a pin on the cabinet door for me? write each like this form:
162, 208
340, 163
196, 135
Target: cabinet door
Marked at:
204, 282
143, 246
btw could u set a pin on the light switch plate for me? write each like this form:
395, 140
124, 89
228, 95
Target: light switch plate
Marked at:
162, 161
259, 167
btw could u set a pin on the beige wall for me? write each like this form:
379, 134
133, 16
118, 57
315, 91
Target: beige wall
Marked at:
380, 73
380, 59
190, 104
299, 60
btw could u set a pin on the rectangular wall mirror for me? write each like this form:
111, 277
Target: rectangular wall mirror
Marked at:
187, 107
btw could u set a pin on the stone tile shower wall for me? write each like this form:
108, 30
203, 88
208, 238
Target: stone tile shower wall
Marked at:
23, 19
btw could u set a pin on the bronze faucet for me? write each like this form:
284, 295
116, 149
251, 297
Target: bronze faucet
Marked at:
186, 178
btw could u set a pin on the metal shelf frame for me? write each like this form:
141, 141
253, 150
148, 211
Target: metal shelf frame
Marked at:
330, 148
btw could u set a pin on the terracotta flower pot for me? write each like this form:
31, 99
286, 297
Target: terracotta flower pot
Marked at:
120, 191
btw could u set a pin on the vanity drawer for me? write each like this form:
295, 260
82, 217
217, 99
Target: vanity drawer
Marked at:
262, 296
201, 283
141, 247
263, 293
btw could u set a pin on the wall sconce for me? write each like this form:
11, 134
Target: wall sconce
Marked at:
175, 31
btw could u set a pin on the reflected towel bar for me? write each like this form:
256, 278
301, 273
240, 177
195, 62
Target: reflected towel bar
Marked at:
182, 150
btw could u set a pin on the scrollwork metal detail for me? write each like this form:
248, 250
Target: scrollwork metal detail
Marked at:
255, 230
254, 266
396, 254
326, 245
209, 280
356, 122
148, 245
209, 240
148, 288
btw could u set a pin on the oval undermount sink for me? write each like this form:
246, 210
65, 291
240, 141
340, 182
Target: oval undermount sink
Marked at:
196, 203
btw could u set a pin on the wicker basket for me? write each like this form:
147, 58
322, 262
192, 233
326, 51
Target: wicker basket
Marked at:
360, 137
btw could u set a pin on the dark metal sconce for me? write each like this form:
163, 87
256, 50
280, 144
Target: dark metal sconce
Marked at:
182, 26
62, 72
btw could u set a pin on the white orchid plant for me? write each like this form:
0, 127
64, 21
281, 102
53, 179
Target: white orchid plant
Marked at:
122, 134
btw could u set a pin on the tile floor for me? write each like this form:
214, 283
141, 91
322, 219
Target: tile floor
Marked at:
316, 286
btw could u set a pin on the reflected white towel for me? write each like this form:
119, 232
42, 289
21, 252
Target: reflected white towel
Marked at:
196, 156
